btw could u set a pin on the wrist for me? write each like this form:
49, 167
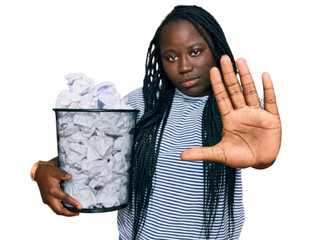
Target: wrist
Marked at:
36, 165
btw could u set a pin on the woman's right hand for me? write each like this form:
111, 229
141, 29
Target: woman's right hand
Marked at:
48, 179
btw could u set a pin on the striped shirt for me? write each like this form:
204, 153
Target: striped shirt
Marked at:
175, 209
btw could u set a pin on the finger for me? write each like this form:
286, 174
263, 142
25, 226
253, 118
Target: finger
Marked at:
55, 172
270, 104
231, 82
214, 153
249, 88
57, 191
62, 175
59, 209
54, 197
64, 197
56, 205
222, 98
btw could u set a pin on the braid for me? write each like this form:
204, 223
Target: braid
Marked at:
158, 92
158, 95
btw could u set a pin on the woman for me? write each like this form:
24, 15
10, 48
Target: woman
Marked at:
184, 104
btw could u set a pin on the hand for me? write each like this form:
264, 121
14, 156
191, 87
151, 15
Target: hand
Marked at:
251, 135
48, 179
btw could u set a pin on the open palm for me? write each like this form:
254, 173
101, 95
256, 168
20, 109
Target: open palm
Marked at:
251, 134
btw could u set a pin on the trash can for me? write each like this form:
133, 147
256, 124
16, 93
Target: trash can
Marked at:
95, 147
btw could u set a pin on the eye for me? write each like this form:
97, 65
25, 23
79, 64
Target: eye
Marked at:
195, 52
172, 58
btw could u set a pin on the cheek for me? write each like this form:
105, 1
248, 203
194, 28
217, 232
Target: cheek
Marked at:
205, 68
171, 72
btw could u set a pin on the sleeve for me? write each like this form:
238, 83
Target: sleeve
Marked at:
135, 100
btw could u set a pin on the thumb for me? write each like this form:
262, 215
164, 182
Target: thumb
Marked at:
214, 153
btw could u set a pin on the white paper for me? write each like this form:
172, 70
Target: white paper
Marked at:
95, 147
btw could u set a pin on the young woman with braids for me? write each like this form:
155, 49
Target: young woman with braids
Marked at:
187, 113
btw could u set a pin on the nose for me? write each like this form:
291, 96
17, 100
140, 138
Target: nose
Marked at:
185, 65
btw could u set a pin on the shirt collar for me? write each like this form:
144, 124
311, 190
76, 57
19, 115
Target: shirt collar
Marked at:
178, 92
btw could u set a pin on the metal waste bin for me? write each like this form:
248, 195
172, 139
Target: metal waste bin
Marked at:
95, 147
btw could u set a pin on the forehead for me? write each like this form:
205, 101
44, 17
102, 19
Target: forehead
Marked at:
180, 33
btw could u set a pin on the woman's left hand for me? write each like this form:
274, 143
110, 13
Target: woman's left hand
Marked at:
251, 135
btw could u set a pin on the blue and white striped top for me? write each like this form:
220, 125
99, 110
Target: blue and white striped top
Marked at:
175, 209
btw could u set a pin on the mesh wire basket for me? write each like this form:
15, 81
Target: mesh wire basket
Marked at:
95, 147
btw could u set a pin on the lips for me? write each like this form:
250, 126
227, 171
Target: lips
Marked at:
190, 82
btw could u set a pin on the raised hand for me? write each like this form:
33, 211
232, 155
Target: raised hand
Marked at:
251, 135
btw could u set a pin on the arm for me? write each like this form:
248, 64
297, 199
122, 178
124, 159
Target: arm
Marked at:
48, 178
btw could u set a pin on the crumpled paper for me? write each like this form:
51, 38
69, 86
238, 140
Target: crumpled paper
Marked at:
82, 94
94, 147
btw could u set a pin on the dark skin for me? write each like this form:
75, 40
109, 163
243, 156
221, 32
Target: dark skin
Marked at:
48, 179
251, 135
186, 58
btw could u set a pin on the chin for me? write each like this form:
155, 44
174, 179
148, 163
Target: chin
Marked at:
195, 93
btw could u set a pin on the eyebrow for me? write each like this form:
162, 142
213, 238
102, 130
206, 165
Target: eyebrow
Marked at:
195, 45
198, 45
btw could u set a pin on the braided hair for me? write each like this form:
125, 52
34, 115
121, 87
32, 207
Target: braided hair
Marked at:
158, 92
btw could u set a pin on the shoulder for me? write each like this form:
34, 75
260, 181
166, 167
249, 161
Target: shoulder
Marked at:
135, 100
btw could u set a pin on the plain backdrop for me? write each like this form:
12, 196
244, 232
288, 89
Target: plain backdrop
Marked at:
42, 41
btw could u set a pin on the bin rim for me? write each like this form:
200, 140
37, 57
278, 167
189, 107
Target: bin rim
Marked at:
93, 110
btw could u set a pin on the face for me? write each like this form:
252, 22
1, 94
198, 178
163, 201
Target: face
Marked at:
186, 58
